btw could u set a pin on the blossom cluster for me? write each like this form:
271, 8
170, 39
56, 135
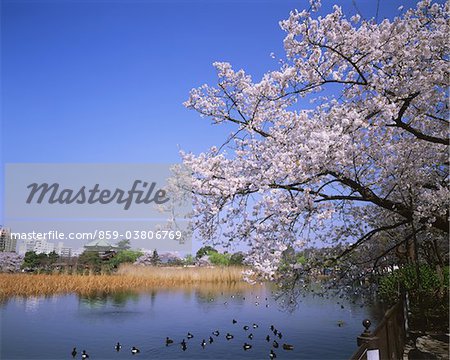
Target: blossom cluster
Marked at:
10, 262
372, 153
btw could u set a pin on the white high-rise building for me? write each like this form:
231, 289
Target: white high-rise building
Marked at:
38, 246
59, 247
65, 252
77, 252
42, 246
7, 242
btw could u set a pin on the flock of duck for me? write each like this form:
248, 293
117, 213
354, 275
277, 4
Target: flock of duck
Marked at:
118, 347
277, 335
273, 339
246, 346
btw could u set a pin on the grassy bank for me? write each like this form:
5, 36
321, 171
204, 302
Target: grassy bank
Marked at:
128, 278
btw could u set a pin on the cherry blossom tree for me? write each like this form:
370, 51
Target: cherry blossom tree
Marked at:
345, 141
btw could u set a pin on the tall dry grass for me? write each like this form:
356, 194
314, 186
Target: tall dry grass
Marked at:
185, 275
128, 278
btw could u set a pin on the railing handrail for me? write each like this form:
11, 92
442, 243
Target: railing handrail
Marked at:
360, 352
387, 315
379, 331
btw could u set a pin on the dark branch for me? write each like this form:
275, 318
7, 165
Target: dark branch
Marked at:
418, 134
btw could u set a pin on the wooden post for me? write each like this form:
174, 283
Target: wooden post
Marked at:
373, 353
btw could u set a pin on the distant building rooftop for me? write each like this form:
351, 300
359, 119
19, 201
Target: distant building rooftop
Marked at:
99, 245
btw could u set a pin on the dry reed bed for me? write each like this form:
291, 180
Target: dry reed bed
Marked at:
128, 278
173, 275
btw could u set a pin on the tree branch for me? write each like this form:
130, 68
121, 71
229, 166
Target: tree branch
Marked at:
418, 134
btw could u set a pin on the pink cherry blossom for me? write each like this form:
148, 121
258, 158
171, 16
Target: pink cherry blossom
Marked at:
370, 155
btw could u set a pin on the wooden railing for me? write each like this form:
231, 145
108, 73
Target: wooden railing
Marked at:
387, 341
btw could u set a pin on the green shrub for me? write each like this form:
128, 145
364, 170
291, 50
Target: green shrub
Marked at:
405, 278
124, 256
219, 259
237, 259
189, 260
39, 261
205, 250
429, 303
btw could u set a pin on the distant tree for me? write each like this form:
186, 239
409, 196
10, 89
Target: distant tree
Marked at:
10, 261
124, 244
91, 259
217, 258
52, 257
176, 262
289, 255
31, 260
124, 256
35, 261
237, 259
301, 259
288, 258
155, 259
189, 260
204, 251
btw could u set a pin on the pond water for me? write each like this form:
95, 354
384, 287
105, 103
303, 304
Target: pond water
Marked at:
49, 327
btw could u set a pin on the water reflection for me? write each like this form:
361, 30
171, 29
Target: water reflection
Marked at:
99, 300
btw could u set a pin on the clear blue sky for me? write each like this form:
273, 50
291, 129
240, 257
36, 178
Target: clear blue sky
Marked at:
104, 81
